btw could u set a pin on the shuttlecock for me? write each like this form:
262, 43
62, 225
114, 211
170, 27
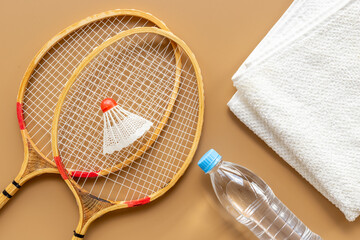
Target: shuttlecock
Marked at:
121, 127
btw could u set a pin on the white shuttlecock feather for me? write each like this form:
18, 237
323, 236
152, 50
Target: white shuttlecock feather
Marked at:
121, 127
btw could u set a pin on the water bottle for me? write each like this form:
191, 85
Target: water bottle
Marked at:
251, 201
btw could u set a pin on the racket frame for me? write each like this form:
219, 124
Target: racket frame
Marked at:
90, 206
35, 162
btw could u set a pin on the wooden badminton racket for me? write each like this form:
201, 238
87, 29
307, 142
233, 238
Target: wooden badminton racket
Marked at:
45, 78
138, 67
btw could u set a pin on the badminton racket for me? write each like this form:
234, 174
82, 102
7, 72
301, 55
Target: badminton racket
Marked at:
45, 78
139, 67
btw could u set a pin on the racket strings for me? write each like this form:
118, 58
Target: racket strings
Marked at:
156, 167
91, 143
121, 86
160, 173
52, 72
80, 100
126, 59
56, 65
65, 59
85, 90
100, 85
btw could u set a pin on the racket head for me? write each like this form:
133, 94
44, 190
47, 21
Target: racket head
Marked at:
164, 162
48, 72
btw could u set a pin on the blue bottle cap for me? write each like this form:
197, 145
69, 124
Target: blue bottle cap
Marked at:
209, 160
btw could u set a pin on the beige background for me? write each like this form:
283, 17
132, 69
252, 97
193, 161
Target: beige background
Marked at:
221, 34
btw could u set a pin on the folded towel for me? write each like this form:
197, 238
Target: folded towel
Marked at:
302, 98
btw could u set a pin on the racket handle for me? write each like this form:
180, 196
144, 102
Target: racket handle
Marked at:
77, 236
8, 193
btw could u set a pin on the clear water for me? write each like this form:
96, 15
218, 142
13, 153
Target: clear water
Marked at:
250, 200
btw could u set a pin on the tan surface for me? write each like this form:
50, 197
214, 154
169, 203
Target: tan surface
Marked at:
221, 35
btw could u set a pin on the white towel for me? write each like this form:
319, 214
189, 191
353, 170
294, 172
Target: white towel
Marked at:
302, 97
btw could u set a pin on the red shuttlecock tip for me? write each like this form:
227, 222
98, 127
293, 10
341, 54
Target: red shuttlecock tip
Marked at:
107, 104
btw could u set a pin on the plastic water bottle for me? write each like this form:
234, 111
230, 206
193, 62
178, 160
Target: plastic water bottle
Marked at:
251, 201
